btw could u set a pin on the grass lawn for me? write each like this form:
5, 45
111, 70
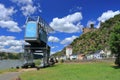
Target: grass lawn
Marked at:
75, 71
8, 70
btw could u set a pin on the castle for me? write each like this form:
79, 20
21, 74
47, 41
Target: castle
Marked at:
86, 29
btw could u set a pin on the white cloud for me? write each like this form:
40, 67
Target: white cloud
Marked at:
4, 38
90, 22
54, 47
76, 8
28, 9
68, 40
22, 1
52, 53
53, 39
6, 20
10, 44
67, 24
39, 7
98, 25
10, 25
16, 49
10, 41
27, 6
107, 15
6, 13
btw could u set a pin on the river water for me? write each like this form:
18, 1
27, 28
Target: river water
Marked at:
6, 64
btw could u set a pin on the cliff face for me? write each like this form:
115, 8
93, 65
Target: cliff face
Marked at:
94, 40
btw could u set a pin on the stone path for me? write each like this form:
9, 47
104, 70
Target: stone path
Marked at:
9, 76
14, 75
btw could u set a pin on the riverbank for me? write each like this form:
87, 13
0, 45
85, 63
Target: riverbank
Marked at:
8, 64
13, 74
75, 71
8, 70
69, 71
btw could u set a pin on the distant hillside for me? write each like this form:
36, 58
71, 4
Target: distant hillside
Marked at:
7, 55
94, 40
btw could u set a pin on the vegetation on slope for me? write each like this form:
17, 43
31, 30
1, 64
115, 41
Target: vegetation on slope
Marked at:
94, 40
115, 42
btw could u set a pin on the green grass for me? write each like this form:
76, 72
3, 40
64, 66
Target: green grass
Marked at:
37, 62
75, 71
8, 70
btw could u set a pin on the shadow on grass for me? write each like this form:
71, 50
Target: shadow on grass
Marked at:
52, 66
116, 67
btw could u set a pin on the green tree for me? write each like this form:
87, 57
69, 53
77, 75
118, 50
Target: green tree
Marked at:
114, 43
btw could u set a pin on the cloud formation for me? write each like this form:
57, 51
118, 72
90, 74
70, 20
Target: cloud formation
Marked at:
53, 39
6, 13
10, 25
75, 8
10, 44
22, 1
53, 47
28, 10
68, 40
6, 20
27, 6
107, 15
90, 22
67, 24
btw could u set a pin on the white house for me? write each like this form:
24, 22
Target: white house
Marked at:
63, 58
73, 57
89, 56
108, 53
97, 55
68, 51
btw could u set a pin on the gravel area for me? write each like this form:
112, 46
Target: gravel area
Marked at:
10, 76
14, 75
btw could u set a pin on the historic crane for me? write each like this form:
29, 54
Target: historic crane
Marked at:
36, 32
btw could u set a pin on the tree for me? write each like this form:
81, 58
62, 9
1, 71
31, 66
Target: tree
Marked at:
114, 43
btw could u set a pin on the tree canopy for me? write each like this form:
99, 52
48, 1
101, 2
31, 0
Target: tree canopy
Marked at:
115, 42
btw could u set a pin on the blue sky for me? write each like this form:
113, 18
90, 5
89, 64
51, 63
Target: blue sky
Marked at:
66, 17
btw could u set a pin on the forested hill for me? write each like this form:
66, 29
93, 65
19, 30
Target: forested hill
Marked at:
8, 55
94, 40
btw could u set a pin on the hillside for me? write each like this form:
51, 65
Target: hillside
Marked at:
94, 40
8, 55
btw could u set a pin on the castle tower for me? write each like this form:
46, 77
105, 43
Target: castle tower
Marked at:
86, 30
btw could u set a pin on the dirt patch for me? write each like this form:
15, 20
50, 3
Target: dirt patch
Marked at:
29, 69
9, 76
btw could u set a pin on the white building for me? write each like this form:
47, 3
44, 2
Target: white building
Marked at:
73, 57
97, 55
68, 51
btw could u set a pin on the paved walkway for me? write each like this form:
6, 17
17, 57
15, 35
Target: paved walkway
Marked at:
9, 76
